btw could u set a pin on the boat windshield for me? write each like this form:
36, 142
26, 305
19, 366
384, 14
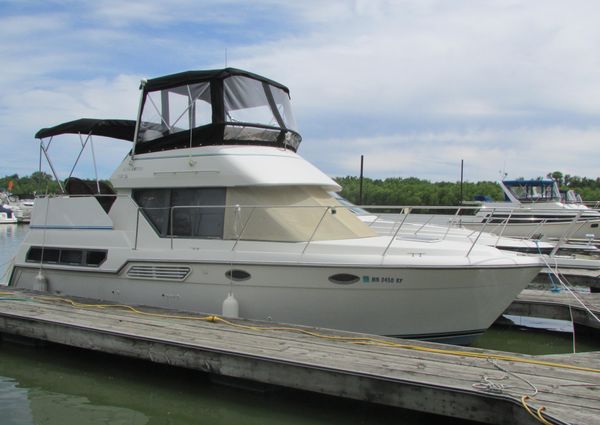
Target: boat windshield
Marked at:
229, 108
571, 197
533, 190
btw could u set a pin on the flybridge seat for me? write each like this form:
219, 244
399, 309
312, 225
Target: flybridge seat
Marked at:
103, 192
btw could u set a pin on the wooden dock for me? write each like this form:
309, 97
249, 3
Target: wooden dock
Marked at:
466, 383
559, 306
578, 277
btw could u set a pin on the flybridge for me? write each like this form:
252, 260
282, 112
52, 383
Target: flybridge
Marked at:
226, 106
198, 108
191, 109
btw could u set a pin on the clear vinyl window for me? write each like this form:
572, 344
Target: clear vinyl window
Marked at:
174, 110
247, 100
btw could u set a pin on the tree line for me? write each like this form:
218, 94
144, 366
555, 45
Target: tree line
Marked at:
38, 183
414, 191
390, 191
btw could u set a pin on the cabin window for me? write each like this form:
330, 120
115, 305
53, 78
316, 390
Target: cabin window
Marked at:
343, 279
237, 275
71, 256
66, 256
184, 212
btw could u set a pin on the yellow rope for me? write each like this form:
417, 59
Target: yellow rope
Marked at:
537, 414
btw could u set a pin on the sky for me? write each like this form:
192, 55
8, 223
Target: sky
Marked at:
511, 87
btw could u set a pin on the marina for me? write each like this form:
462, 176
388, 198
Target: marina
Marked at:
216, 248
299, 213
467, 383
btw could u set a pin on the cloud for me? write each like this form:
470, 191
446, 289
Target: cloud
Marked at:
414, 85
487, 153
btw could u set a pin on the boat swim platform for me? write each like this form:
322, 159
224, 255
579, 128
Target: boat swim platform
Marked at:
558, 306
474, 384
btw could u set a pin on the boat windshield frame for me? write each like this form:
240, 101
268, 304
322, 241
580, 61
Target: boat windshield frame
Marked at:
219, 107
531, 191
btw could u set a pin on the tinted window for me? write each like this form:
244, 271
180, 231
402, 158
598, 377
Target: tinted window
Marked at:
188, 212
66, 256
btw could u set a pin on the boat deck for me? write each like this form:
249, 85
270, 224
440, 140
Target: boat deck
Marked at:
467, 383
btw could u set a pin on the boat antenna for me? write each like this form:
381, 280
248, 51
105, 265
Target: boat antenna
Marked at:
225, 57
503, 172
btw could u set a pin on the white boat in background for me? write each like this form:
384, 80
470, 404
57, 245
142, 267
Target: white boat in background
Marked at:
215, 212
6, 215
534, 209
21, 208
428, 227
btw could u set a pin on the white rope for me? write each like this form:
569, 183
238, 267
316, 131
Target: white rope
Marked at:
573, 327
586, 308
487, 385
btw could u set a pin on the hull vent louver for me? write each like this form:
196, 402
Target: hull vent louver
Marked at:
178, 273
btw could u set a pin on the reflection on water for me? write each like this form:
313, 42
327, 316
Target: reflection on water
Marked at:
14, 403
535, 341
11, 236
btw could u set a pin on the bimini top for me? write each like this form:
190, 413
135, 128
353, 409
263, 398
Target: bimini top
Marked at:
224, 106
118, 129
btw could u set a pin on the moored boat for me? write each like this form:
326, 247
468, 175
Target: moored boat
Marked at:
535, 209
213, 203
7, 215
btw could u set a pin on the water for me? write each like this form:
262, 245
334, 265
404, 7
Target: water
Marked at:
51, 384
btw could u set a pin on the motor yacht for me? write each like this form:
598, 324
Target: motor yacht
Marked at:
213, 211
535, 209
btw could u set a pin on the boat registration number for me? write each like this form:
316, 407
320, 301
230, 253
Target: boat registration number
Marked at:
381, 279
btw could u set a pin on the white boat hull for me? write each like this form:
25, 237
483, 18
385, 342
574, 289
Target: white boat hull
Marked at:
450, 304
546, 231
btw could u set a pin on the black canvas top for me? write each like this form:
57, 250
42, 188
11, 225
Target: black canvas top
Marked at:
189, 77
118, 129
